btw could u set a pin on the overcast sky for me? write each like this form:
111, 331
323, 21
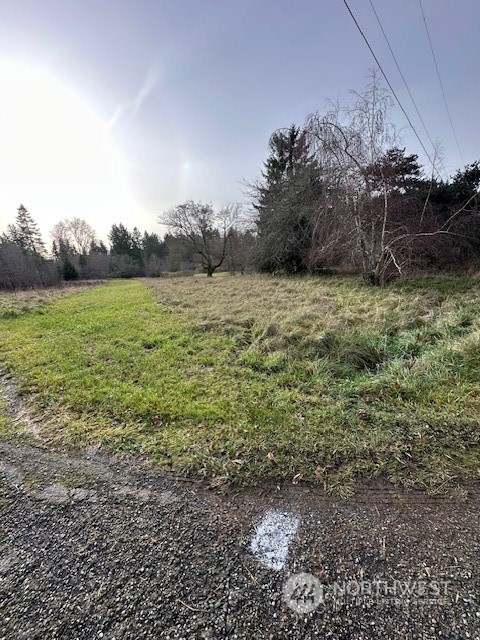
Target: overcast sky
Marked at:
115, 110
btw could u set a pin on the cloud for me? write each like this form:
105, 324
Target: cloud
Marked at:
130, 109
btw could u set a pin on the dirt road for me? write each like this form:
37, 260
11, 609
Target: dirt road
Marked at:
96, 547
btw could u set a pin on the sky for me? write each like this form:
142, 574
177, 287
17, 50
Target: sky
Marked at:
116, 110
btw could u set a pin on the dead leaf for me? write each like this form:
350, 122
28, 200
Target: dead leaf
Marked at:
296, 478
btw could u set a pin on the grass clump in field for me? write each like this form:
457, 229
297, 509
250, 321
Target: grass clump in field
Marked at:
252, 377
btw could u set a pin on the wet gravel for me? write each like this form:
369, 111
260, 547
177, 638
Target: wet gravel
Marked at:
95, 547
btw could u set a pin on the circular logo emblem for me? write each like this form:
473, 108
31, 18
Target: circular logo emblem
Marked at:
303, 592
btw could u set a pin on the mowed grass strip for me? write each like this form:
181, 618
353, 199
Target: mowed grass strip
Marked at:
253, 377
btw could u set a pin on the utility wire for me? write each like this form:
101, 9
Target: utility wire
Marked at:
389, 84
401, 75
440, 80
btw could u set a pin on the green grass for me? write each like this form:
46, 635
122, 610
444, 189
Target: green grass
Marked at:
240, 379
17, 303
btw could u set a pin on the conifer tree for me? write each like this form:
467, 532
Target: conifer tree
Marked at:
25, 232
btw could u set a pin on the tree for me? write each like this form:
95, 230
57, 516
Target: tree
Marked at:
153, 246
454, 205
21, 269
391, 216
203, 230
179, 255
136, 251
76, 233
368, 177
124, 266
462, 187
73, 242
126, 252
154, 252
68, 270
25, 232
98, 247
284, 201
120, 240
241, 248
396, 172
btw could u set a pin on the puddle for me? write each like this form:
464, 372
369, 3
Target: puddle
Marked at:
273, 535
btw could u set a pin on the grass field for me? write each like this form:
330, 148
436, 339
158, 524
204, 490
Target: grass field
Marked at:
245, 378
13, 304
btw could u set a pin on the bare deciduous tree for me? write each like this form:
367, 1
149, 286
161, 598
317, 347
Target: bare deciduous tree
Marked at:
20, 269
348, 143
206, 232
75, 233
375, 198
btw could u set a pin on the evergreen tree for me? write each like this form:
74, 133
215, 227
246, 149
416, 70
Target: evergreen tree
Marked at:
457, 191
64, 254
153, 246
25, 232
284, 200
68, 270
120, 240
397, 172
136, 251
98, 247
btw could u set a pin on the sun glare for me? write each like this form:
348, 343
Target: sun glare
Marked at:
56, 155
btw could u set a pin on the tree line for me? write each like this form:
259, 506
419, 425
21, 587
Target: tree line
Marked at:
339, 193
76, 253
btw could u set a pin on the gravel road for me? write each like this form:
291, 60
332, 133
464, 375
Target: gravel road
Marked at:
97, 547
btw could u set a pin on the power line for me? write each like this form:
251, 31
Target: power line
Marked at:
402, 76
389, 84
440, 80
